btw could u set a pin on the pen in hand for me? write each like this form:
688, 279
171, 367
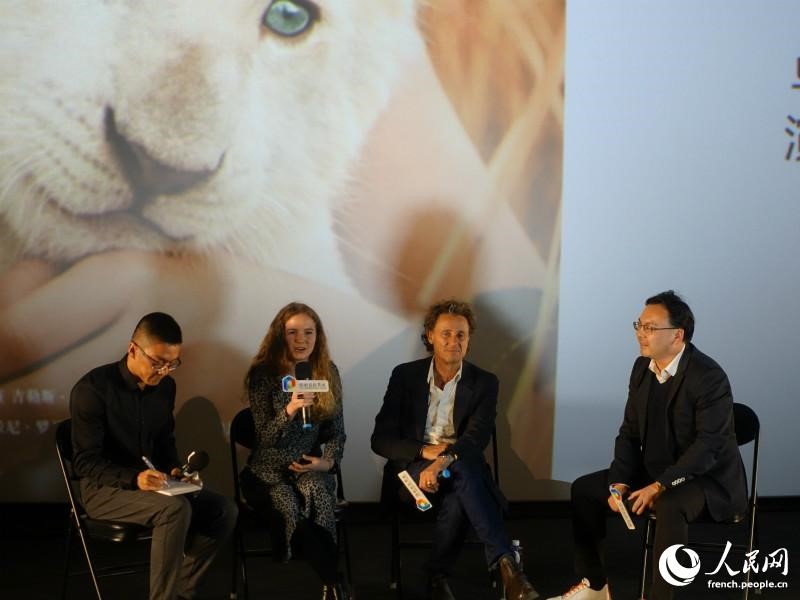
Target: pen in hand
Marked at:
152, 467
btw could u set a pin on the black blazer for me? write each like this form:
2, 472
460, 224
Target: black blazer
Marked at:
700, 433
400, 424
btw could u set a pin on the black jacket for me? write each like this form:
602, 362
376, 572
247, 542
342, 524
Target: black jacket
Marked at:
700, 433
400, 424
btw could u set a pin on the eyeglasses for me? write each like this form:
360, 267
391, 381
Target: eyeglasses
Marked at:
647, 328
158, 365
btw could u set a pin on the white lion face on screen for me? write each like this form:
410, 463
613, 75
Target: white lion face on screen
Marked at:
188, 124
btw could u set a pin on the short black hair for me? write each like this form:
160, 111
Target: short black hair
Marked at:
680, 315
158, 326
450, 306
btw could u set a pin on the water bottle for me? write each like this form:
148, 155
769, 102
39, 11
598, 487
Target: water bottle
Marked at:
516, 549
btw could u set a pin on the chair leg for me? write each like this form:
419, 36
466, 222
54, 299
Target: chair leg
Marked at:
235, 563
344, 543
240, 551
239, 563
746, 593
88, 556
398, 587
496, 583
648, 546
394, 558
67, 556
751, 541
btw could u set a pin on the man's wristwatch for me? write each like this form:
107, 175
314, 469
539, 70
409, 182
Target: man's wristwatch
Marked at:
448, 457
445, 460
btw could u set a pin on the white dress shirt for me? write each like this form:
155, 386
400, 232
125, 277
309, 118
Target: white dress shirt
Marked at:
671, 368
439, 427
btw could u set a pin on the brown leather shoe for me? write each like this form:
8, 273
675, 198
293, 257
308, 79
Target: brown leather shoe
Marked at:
440, 589
336, 591
515, 583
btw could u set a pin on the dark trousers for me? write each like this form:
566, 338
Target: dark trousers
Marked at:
196, 525
676, 508
316, 546
470, 496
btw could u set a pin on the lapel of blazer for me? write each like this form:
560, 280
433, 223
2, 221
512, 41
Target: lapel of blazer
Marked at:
642, 397
679, 375
420, 391
464, 391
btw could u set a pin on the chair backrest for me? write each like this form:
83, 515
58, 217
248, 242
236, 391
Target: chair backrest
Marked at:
746, 424
748, 429
64, 439
242, 433
64, 454
495, 458
243, 429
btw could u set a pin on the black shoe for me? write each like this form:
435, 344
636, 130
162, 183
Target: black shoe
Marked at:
439, 588
515, 583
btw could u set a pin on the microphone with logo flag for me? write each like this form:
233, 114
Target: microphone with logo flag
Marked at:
196, 461
302, 370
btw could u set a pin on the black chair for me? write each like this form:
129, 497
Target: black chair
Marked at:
88, 529
243, 435
747, 430
399, 511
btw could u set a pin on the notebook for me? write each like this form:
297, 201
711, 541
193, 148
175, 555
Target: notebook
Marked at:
175, 487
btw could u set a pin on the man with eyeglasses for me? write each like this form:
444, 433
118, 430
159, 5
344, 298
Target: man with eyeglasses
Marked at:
675, 454
122, 415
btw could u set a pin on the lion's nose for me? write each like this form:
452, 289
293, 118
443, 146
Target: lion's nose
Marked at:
147, 175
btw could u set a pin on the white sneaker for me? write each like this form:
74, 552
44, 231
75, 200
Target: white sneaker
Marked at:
582, 591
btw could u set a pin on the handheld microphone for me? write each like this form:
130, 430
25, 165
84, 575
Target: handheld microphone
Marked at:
302, 370
420, 499
196, 461
623, 510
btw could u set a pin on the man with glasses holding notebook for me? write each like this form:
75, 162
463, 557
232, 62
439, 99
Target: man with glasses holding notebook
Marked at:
675, 453
123, 438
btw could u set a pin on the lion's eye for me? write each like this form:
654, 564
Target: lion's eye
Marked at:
290, 17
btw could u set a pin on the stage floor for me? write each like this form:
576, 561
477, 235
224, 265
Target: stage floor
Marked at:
32, 550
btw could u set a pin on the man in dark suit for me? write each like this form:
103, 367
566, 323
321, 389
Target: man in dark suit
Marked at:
676, 448
439, 414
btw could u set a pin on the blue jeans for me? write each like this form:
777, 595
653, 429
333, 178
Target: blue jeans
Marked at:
469, 497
